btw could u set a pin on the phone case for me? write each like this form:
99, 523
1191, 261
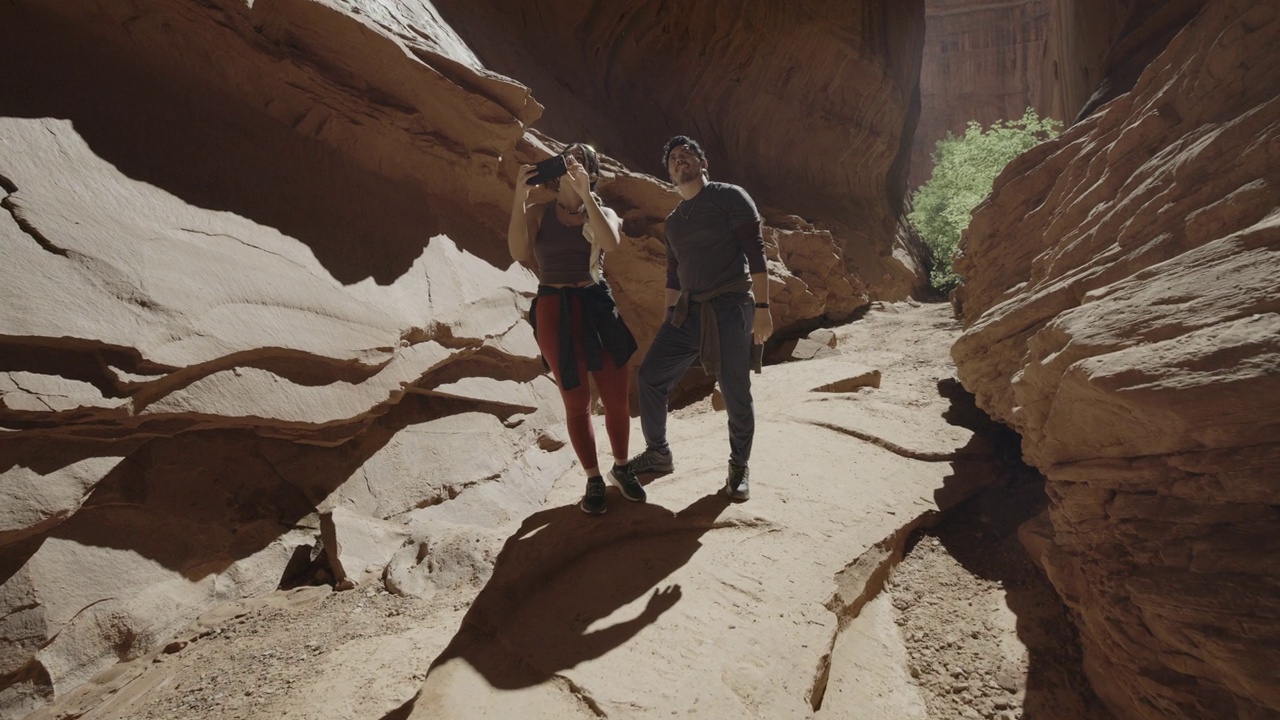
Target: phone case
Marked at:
549, 169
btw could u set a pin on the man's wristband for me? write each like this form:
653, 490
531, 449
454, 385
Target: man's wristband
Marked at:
763, 306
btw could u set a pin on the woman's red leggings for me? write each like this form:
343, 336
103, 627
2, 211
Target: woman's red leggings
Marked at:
611, 381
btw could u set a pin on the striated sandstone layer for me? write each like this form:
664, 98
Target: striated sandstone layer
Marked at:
188, 394
811, 106
1122, 314
256, 310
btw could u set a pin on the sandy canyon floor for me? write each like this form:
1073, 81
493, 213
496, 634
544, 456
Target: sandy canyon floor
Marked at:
875, 573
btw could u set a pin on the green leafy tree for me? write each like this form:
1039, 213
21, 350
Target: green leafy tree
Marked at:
964, 169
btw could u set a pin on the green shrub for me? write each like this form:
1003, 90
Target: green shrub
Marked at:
964, 169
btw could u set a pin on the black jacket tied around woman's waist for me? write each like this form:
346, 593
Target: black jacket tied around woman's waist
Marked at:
602, 329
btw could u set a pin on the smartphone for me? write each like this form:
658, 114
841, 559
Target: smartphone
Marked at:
549, 169
757, 358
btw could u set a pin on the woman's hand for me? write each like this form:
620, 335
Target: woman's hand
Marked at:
578, 178
523, 188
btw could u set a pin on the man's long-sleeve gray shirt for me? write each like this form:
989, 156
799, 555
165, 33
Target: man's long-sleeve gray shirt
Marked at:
704, 247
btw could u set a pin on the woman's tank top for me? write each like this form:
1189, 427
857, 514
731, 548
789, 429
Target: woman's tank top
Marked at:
564, 255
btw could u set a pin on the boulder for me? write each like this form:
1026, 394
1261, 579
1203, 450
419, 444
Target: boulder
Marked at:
359, 547
441, 558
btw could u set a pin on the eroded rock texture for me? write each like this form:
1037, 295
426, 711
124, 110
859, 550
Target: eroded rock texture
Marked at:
811, 106
256, 309
185, 392
1122, 314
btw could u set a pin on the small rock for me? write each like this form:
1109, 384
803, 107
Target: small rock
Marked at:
1008, 680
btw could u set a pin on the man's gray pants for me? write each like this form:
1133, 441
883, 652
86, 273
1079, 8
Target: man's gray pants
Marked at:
676, 348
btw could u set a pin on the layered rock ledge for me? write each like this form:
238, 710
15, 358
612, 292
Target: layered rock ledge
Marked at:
1122, 314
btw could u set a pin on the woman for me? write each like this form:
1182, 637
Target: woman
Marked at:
574, 317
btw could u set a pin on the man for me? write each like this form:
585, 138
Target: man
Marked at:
717, 302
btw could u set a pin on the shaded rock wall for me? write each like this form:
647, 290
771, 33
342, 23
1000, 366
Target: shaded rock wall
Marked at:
1122, 314
1097, 48
256, 301
810, 106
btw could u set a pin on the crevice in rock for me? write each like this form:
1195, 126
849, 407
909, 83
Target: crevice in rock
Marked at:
293, 365
851, 384
891, 446
452, 491
985, 634
259, 248
582, 695
25, 225
821, 677
34, 674
864, 578
71, 620
858, 584
964, 591
38, 397
88, 361
14, 611
297, 366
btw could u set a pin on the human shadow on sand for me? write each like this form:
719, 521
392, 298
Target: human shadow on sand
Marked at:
559, 580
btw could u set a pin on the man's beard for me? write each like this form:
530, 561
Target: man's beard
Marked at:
686, 174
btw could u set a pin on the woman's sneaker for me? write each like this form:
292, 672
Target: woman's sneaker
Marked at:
737, 486
625, 479
593, 501
653, 460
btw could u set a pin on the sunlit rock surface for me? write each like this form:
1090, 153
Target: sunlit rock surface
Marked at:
1122, 314
256, 307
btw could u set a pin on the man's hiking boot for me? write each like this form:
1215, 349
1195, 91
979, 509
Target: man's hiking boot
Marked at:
626, 481
737, 485
652, 460
593, 501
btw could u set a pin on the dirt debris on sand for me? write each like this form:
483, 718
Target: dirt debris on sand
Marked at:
986, 636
